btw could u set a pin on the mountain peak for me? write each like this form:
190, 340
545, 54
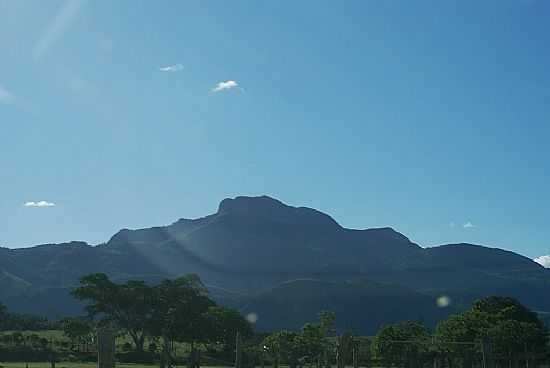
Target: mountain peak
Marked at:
273, 209
245, 203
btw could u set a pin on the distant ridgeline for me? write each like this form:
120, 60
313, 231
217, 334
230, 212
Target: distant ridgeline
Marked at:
284, 264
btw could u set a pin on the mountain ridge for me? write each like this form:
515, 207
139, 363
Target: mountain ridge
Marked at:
252, 246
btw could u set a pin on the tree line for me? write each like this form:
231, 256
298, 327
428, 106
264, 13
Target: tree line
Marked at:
178, 310
495, 332
181, 311
515, 334
24, 322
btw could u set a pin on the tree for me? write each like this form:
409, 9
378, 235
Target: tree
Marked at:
454, 334
294, 348
223, 325
128, 305
315, 335
76, 329
3, 316
179, 313
286, 347
499, 308
314, 340
513, 329
326, 322
402, 342
26, 322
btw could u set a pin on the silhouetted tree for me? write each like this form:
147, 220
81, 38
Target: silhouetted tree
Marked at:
3, 316
180, 313
513, 329
223, 325
403, 342
128, 306
76, 329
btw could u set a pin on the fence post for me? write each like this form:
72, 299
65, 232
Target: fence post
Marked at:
105, 348
338, 352
238, 352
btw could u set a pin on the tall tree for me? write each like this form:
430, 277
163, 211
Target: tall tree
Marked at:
306, 345
454, 335
286, 347
514, 330
499, 308
180, 313
403, 342
76, 329
223, 325
128, 306
315, 335
3, 316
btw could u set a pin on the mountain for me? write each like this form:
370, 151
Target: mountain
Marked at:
252, 251
360, 305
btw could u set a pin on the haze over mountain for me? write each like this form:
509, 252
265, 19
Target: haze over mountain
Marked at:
283, 263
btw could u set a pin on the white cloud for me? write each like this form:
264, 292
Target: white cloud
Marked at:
57, 27
39, 204
171, 68
543, 260
468, 225
6, 97
225, 85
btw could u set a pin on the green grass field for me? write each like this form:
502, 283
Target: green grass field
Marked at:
48, 334
78, 365
70, 365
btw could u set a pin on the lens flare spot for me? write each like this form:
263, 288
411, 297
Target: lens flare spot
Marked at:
443, 301
252, 317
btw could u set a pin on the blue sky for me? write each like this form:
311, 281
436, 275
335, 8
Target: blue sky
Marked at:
425, 117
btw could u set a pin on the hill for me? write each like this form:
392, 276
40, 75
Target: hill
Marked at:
251, 249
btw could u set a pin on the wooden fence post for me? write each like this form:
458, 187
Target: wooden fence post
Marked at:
238, 352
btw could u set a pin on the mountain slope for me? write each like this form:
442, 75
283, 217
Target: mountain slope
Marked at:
253, 245
360, 305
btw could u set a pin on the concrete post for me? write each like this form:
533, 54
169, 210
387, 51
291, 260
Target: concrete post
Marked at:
106, 348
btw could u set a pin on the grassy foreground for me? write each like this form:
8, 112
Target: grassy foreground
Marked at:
70, 365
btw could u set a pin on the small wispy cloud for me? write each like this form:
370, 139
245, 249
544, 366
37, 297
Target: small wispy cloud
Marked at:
452, 225
543, 261
226, 85
171, 68
468, 225
6, 97
57, 27
39, 204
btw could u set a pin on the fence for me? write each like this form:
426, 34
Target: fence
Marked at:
340, 352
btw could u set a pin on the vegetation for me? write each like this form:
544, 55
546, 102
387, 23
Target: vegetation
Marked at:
3, 314
514, 330
78, 330
164, 322
173, 311
305, 346
17, 321
405, 341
